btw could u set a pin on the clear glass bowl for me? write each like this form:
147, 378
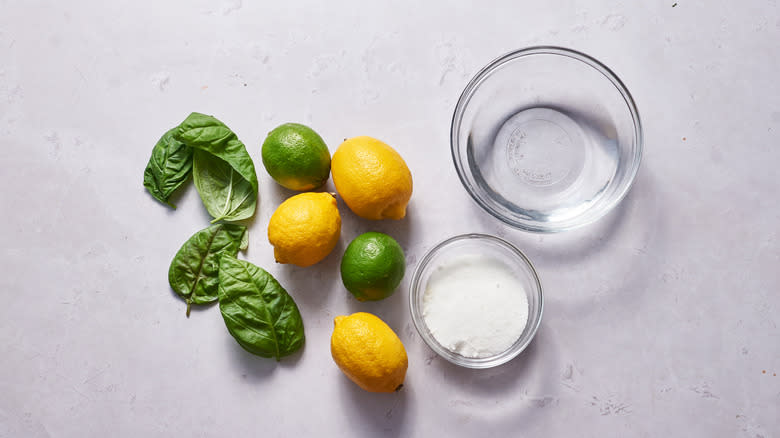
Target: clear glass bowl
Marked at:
546, 139
483, 245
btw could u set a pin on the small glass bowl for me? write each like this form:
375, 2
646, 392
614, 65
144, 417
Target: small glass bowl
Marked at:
477, 244
546, 139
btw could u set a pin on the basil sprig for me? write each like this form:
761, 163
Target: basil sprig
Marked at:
169, 167
258, 312
194, 271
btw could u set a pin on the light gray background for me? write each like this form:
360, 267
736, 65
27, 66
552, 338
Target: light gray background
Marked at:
660, 320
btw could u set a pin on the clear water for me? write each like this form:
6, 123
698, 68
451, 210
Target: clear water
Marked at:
546, 164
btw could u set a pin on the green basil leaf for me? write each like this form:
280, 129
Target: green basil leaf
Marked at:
224, 192
227, 195
258, 312
194, 271
169, 167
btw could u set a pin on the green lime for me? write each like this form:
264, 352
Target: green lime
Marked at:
373, 266
296, 157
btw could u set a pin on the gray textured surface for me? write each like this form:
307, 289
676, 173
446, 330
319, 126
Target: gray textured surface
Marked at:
660, 320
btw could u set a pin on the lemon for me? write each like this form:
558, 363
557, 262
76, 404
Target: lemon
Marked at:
369, 352
373, 266
305, 228
372, 178
296, 157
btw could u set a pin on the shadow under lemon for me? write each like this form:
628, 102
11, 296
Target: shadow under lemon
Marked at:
375, 414
311, 285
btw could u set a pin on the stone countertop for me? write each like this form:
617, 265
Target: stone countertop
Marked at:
660, 318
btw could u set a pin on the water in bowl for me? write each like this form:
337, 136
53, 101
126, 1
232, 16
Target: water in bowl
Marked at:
555, 163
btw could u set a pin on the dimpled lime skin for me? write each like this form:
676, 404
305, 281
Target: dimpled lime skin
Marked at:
296, 157
373, 266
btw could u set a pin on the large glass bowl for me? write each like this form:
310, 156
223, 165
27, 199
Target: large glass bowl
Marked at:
452, 250
546, 139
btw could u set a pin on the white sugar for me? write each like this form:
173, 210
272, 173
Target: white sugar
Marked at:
475, 306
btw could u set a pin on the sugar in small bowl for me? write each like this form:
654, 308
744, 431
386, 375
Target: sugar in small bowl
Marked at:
476, 300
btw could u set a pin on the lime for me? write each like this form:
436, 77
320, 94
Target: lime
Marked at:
296, 157
373, 266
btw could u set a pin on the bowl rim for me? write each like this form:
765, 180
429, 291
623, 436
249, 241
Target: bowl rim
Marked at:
441, 351
484, 73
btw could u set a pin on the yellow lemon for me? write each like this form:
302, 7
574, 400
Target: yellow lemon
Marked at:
368, 352
372, 178
304, 229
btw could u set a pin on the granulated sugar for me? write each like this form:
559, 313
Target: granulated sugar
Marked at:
475, 306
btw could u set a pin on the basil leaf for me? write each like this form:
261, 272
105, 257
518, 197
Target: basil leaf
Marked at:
227, 195
169, 167
258, 312
194, 271
224, 192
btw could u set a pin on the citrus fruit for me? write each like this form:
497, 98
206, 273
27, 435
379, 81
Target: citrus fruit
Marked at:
372, 266
305, 228
296, 157
368, 352
372, 178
